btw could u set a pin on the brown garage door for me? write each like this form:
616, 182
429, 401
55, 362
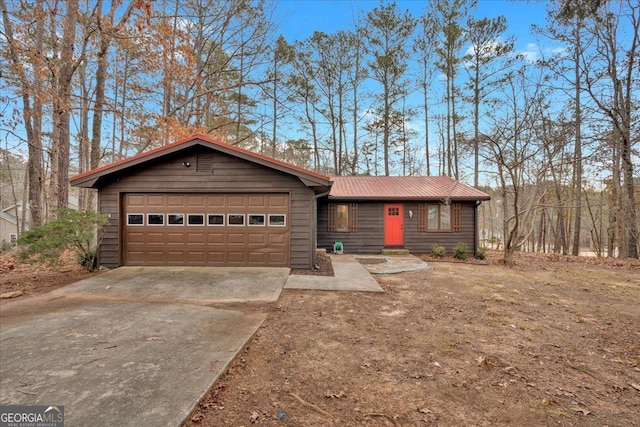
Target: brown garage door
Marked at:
206, 229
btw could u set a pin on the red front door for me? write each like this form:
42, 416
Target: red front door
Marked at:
393, 225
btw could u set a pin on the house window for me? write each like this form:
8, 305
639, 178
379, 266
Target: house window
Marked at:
135, 219
235, 219
215, 219
438, 217
155, 219
13, 238
175, 219
256, 219
195, 219
343, 217
277, 220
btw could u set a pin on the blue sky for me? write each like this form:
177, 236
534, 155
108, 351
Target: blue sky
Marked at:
300, 18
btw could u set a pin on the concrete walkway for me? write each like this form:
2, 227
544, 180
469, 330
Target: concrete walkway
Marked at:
192, 285
111, 355
391, 264
349, 275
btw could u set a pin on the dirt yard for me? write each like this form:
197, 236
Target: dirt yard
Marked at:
21, 280
552, 341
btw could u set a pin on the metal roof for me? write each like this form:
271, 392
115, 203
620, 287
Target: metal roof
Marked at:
403, 188
9, 217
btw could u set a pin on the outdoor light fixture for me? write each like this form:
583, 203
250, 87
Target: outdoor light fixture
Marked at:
186, 164
410, 213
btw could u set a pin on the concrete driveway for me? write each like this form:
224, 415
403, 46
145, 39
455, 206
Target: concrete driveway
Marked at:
133, 346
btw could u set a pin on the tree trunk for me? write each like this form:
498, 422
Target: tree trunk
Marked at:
83, 139
577, 155
476, 129
32, 116
456, 170
386, 130
98, 110
614, 203
274, 94
448, 148
60, 143
426, 124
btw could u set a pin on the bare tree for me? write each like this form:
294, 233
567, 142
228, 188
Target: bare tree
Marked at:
514, 147
448, 17
63, 66
424, 47
389, 32
611, 81
30, 86
486, 49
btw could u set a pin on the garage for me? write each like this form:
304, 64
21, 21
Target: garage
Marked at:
206, 229
204, 202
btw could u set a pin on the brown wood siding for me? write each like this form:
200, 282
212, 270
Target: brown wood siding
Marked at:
108, 254
370, 225
422, 242
370, 235
230, 174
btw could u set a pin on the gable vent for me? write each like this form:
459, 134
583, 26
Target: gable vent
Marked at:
204, 163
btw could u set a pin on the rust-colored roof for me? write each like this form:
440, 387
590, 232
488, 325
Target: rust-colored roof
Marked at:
88, 179
402, 188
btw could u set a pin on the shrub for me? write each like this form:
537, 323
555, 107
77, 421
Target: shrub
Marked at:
460, 251
438, 251
75, 230
481, 252
88, 260
6, 246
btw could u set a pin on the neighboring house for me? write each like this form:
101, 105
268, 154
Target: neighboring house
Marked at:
369, 213
9, 226
203, 202
9, 220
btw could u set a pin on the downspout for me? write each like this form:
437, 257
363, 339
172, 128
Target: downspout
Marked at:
475, 227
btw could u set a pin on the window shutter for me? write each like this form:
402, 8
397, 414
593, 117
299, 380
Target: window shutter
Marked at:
331, 220
422, 217
353, 217
455, 216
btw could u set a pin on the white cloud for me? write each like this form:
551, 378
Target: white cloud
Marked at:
534, 52
416, 126
531, 53
485, 49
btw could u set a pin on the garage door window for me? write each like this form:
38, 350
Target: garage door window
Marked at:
215, 219
256, 220
235, 219
135, 219
155, 219
277, 221
195, 219
175, 219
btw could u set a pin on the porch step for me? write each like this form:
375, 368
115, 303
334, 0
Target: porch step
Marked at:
395, 252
